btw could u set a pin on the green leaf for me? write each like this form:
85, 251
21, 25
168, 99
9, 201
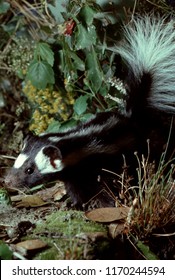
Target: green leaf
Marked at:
58, 10
68, 124
54, 127
4, 7
146, 251
68, 66
78, 63
40, 73
94, 75
85, 37
86, 117
80, 105
46, 53
87, 14
5, 252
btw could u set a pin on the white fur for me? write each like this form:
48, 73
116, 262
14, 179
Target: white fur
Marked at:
92, 129
24, 145
20, 160
54, 138
86, 131
44, 165
149, 46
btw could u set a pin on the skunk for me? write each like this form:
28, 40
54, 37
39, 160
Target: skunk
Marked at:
77, 156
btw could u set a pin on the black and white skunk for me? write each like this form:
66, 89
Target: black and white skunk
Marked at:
77, 156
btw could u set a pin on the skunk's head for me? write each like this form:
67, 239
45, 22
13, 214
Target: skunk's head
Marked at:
37, 162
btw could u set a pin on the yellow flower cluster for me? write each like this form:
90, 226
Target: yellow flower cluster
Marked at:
47, 105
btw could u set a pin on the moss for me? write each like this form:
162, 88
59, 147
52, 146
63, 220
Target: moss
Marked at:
67, 234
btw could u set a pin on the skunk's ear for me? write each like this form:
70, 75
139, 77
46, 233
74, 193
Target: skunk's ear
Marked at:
52, 152
49, 160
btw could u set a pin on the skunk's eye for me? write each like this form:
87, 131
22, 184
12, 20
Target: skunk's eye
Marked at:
29, 170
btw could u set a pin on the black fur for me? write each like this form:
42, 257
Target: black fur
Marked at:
101, 143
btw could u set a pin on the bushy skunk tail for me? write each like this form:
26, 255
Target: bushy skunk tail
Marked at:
148, 49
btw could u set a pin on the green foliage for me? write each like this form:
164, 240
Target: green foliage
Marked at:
94, 74
87, 14
40, 73
85, 37
70, 40
71, 226
44, 52
4, 198
148, 254
5, 252
59, 9
4, 7
80, 105
78, 52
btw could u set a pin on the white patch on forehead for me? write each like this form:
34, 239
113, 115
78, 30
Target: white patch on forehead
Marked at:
44, 165
20, 160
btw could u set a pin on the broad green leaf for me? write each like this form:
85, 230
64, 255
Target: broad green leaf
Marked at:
40, 73
80, 105
94, 74
57, 15
85, 37
46, 53
4, 6
78, 63
54, 127
5, 252
87, 14
104, 90
86, 117
58, 10
68, 124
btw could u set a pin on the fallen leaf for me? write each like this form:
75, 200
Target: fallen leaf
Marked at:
29, 245
31, 201
59, 194
116, 229
49, 193
107, 214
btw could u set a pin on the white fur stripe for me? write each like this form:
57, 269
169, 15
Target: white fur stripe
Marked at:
20, 160
89, 130
54, 138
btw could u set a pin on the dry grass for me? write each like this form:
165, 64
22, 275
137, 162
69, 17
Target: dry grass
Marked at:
153, 207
